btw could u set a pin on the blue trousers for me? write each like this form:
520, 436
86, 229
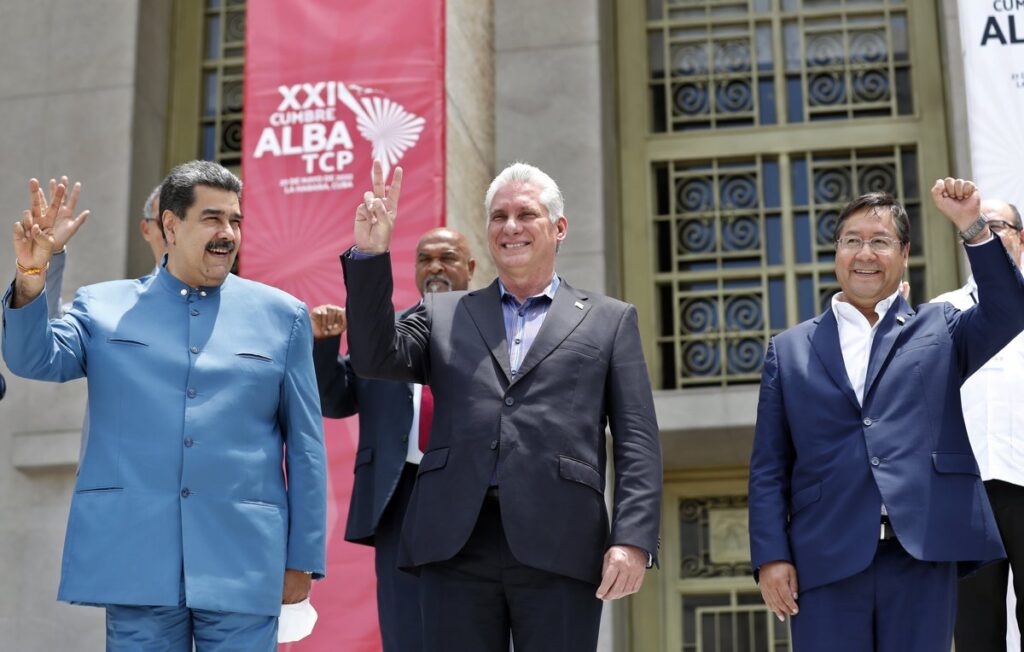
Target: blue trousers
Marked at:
897, 604
132, 628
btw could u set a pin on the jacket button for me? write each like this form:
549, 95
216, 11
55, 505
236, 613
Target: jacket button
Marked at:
194, 349
185, 492
494, 444
868, 422
195, 313
188, 442
875, 461
509, 401
191, 392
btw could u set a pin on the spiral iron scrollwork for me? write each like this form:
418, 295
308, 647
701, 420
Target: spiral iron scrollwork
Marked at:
695, 195
738, 191
701, 359
826, 89
734, 96
732, 55
690, 60
832, 186
234, 28
690, 99
699, 315
878, 178
870, 86
696, 236
741, 234
231, 136
232, 97
824, 50
826, 227
868, 47
745, 355
744, 313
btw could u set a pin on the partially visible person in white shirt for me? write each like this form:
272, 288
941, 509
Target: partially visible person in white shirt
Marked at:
994, 415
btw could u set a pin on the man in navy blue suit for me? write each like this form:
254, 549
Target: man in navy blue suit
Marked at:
391, 417
865, 498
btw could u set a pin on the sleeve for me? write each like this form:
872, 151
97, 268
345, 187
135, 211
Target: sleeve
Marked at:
636, 445
305, 457
983, 330
771, 465
380, 347
335, 380
54, 283
53, 350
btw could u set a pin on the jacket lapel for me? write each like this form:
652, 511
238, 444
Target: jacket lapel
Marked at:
567, 310
484, 307
889, 330
825, 342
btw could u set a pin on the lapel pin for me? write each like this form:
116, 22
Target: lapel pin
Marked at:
578, 305
901, 319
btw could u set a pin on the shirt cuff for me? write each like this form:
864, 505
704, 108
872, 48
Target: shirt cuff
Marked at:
355, 254
978, 244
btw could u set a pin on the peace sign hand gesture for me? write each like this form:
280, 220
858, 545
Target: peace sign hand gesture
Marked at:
375, 217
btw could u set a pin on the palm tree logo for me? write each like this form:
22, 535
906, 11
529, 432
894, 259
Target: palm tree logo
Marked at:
390, 129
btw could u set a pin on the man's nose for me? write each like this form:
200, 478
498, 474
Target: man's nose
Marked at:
512, 225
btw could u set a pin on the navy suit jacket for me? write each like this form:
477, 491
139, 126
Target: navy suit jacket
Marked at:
385, 416
823, 465
541, 433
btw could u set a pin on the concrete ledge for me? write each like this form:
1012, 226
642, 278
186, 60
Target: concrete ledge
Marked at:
706, 408
45, 451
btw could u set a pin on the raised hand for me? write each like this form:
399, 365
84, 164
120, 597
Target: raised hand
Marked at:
66, 224
375, 217
328, 321
957, 199
34, 243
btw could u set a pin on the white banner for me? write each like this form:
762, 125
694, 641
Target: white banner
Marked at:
992, 36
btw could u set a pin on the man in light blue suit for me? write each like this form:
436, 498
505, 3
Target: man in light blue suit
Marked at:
862, 482
201, 397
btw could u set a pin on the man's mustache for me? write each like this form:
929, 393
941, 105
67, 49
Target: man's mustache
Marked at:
221, 244
430, 282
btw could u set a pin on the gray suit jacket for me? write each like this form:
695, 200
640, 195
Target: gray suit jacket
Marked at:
542, 432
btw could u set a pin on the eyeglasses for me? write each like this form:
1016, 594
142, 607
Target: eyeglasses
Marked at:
999, 226
878, 244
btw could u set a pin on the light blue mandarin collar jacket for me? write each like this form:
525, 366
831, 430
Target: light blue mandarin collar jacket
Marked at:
199, 401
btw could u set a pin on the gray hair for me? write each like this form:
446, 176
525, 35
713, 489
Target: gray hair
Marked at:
177, 192
518, 172
147, 208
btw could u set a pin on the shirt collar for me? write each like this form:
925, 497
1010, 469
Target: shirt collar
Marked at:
842, 309
548, 292
171, 282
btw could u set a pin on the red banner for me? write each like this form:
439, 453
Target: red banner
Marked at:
329, 86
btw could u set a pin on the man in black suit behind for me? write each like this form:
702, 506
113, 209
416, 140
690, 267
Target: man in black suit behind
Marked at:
507, 523
391, 415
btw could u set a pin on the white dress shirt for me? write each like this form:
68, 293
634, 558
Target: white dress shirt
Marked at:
992, 406
856, 336
413, 455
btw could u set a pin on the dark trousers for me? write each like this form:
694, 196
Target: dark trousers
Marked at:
897, 604
981, 616
398, 593
472, 602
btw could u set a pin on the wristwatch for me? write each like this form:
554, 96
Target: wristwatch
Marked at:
973, 230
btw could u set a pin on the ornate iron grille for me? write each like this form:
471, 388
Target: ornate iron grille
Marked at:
736, 264
223, 60
744, 63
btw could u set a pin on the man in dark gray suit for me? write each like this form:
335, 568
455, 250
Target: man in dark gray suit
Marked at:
392, 415
507, 523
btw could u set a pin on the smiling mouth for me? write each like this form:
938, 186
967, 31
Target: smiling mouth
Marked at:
866, 272
514, 245
221, 248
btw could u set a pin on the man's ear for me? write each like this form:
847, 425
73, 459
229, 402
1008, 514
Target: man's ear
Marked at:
471, 266
169, 220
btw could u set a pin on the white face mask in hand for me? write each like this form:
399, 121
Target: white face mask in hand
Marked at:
295, 622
